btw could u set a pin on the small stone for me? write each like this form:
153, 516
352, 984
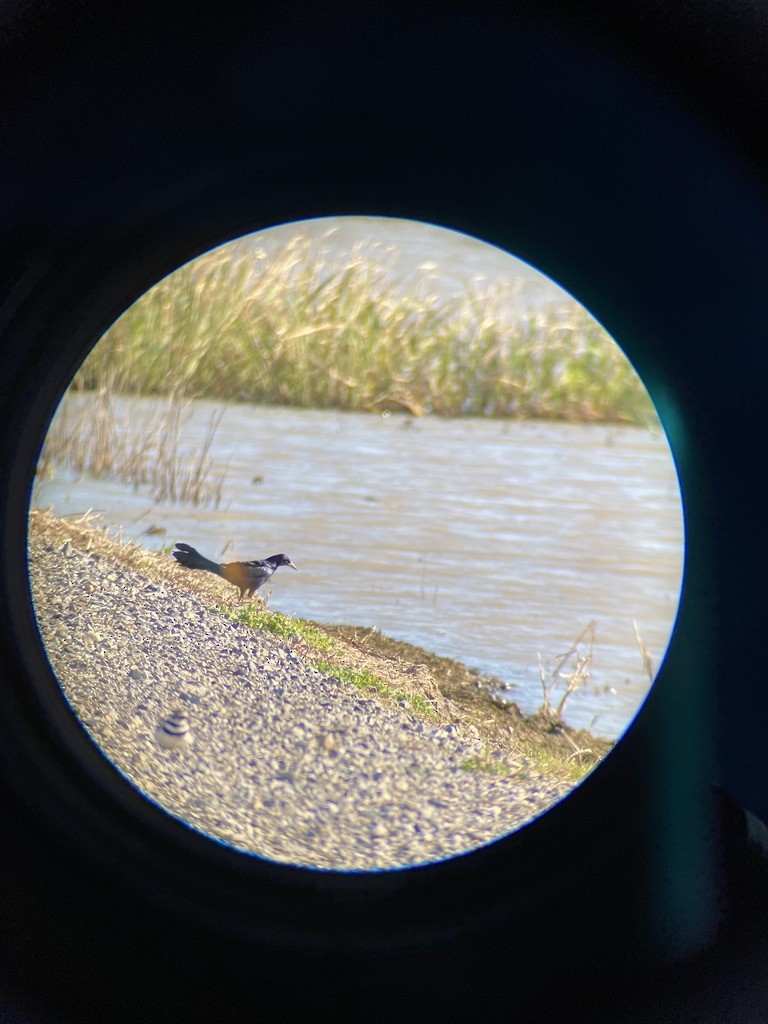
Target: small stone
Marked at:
329, 743
173, 732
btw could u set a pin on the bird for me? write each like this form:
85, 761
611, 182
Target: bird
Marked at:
173, 733
246, 576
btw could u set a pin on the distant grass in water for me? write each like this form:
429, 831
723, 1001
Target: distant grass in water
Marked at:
293, 330
289, 329
90, 437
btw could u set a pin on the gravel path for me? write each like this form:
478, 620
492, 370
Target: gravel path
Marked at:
285, 762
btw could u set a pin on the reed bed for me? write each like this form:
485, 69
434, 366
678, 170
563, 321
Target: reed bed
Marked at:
147, 451
293, 329
342, 332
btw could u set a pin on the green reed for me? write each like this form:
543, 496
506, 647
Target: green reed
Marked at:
288, 328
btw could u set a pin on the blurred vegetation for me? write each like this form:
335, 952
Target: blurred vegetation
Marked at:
290, 328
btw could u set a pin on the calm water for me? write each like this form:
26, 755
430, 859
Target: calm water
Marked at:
482, 540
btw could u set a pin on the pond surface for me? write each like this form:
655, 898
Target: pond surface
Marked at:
489, 541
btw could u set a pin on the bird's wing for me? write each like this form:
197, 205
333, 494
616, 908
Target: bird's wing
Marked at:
247, 575
259, 570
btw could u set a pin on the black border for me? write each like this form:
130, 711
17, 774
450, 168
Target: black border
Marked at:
601, 150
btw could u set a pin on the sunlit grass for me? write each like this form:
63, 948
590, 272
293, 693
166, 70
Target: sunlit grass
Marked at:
485, 763
284, 626
291, 329
363, 679
289, 628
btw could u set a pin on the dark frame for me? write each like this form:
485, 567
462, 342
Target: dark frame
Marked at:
136, 143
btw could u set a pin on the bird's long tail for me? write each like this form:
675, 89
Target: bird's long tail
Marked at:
190, 558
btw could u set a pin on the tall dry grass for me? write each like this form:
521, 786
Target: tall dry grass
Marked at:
570, 671
146, 451
288, 328
337, 332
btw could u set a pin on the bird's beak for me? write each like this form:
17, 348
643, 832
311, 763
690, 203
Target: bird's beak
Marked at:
292, 565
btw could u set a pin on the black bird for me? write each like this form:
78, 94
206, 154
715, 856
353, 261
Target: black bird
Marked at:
246, 576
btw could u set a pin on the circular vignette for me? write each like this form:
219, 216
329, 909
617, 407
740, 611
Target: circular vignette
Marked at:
106, 817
